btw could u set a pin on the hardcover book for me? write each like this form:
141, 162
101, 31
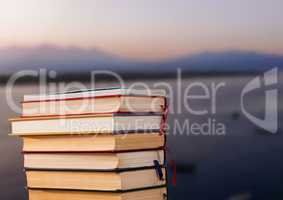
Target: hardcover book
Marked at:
85, 124
93, 161
93, 143
148, 194
94, 181
93, 105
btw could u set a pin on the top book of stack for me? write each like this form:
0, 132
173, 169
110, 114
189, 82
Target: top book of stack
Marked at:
101, 101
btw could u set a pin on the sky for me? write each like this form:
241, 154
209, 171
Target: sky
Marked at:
145, 29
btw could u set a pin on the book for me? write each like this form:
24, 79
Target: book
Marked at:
93, 180
83, 124
149, 194
93, 161
93, 143
95, 105
96, 93
105, 144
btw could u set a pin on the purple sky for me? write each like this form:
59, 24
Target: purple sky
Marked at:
145, 29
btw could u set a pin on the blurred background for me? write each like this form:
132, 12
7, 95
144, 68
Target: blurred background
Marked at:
209, 41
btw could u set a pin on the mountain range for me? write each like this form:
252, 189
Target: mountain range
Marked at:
74, 59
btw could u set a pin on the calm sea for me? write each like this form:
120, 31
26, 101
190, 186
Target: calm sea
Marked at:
244, 163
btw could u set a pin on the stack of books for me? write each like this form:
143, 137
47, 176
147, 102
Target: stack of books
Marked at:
103, 144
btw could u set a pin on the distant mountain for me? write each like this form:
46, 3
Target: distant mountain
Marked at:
73, 59
52, 57
229, 61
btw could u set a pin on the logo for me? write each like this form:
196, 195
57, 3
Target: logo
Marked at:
270, 120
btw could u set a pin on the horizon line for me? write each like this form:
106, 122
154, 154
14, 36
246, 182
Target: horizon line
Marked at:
137, 59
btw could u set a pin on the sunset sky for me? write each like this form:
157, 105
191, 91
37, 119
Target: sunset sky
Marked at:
145, 29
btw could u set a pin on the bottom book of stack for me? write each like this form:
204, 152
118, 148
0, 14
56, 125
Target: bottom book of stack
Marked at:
148, 194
